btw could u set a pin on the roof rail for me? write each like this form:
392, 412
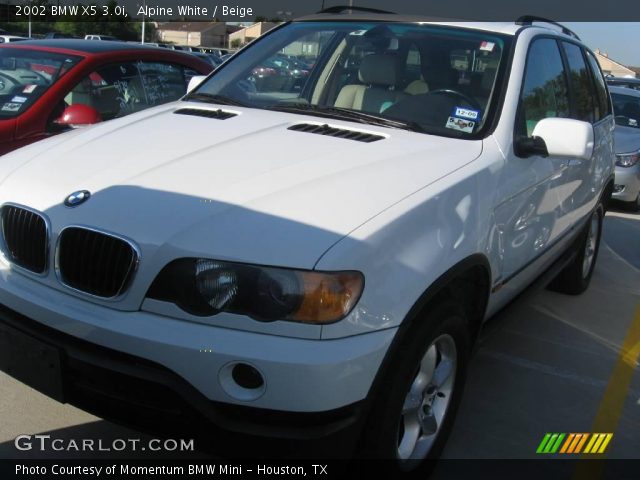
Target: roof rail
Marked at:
529, 19
343, 8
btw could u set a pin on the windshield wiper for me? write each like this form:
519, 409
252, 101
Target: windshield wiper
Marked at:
347, 114
213, 98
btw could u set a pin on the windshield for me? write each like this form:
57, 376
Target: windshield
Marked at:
626, 109
26, 74
427, 78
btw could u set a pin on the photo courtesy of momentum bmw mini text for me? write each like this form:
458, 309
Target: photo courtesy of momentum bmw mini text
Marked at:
324, 238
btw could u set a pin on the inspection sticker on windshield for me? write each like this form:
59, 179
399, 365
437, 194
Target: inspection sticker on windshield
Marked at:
29, 89
18, 99
11, 107
487, 46
460, 124
467, 113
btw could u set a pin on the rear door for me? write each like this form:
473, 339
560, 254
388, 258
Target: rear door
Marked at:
589, 103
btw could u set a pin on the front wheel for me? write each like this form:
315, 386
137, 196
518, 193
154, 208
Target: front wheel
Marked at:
420, 391
575, 277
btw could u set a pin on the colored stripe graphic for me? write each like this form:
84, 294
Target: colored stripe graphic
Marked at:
553, 443
582, 441
598, 443
550, 443
543, 443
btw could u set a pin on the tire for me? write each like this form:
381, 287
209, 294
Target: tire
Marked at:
574, 279
438, 342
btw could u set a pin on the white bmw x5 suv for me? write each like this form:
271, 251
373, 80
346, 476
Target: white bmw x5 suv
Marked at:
306, 245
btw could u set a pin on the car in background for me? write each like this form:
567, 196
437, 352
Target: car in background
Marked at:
211, 58
279, 72
11, 38
218, 51
48, 86
633, 83
54, 35
100, 37
626, 107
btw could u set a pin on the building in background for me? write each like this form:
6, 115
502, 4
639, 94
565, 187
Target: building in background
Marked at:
611, 67
205, 34
245, 35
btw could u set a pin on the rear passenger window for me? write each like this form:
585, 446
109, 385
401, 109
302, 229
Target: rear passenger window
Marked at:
544, 94
601, 87
582, 90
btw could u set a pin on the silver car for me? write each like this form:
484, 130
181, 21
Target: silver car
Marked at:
626, 107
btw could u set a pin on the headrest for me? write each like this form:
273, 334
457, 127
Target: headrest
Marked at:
488, 76
377, 69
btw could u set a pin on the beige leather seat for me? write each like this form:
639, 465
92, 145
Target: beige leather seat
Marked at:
81, 93
417, 87
379, 74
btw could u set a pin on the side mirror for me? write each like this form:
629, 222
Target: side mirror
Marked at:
78, 115
194, 82
560, 137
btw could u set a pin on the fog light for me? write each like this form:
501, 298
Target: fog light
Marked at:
242, 381
247, 376
618, 188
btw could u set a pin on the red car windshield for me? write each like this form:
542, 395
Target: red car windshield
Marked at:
26, 74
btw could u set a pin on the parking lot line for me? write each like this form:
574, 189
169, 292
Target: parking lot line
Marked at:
613, 399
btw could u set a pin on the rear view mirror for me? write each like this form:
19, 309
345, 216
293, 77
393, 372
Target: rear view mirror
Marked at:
78, 115
194, 82
563, 137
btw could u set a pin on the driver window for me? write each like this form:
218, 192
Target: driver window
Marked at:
112, 90
544, 93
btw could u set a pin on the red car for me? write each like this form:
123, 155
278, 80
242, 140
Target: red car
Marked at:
49, 86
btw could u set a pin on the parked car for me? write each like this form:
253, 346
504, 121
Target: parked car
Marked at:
626, 107
11, 38
52, 35
43, 81
633, 83
100, 37
214, 60
323, 287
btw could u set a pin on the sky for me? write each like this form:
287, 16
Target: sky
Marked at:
618, 39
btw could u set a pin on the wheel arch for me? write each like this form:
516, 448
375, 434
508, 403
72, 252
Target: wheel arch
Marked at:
474, 270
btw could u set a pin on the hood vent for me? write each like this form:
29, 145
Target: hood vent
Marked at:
336, 132
218, 114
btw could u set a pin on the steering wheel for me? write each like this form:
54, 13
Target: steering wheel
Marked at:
42, 76
456, 93
4, 85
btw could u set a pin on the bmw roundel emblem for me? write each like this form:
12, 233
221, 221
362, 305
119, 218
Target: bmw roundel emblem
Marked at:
77, 198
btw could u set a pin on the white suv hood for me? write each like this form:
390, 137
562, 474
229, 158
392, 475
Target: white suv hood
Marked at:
245, 188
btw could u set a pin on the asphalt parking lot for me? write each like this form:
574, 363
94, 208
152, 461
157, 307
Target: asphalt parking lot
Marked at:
547, 363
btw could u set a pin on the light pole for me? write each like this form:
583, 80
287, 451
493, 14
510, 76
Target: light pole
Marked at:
144, 12
144, 3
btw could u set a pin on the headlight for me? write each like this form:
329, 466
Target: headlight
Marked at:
627, 159
206, 287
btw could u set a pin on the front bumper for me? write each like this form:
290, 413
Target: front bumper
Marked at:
627, 183
301, 375
141, 394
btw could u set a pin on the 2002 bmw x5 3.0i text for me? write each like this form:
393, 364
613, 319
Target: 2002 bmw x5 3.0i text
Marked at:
308, 256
